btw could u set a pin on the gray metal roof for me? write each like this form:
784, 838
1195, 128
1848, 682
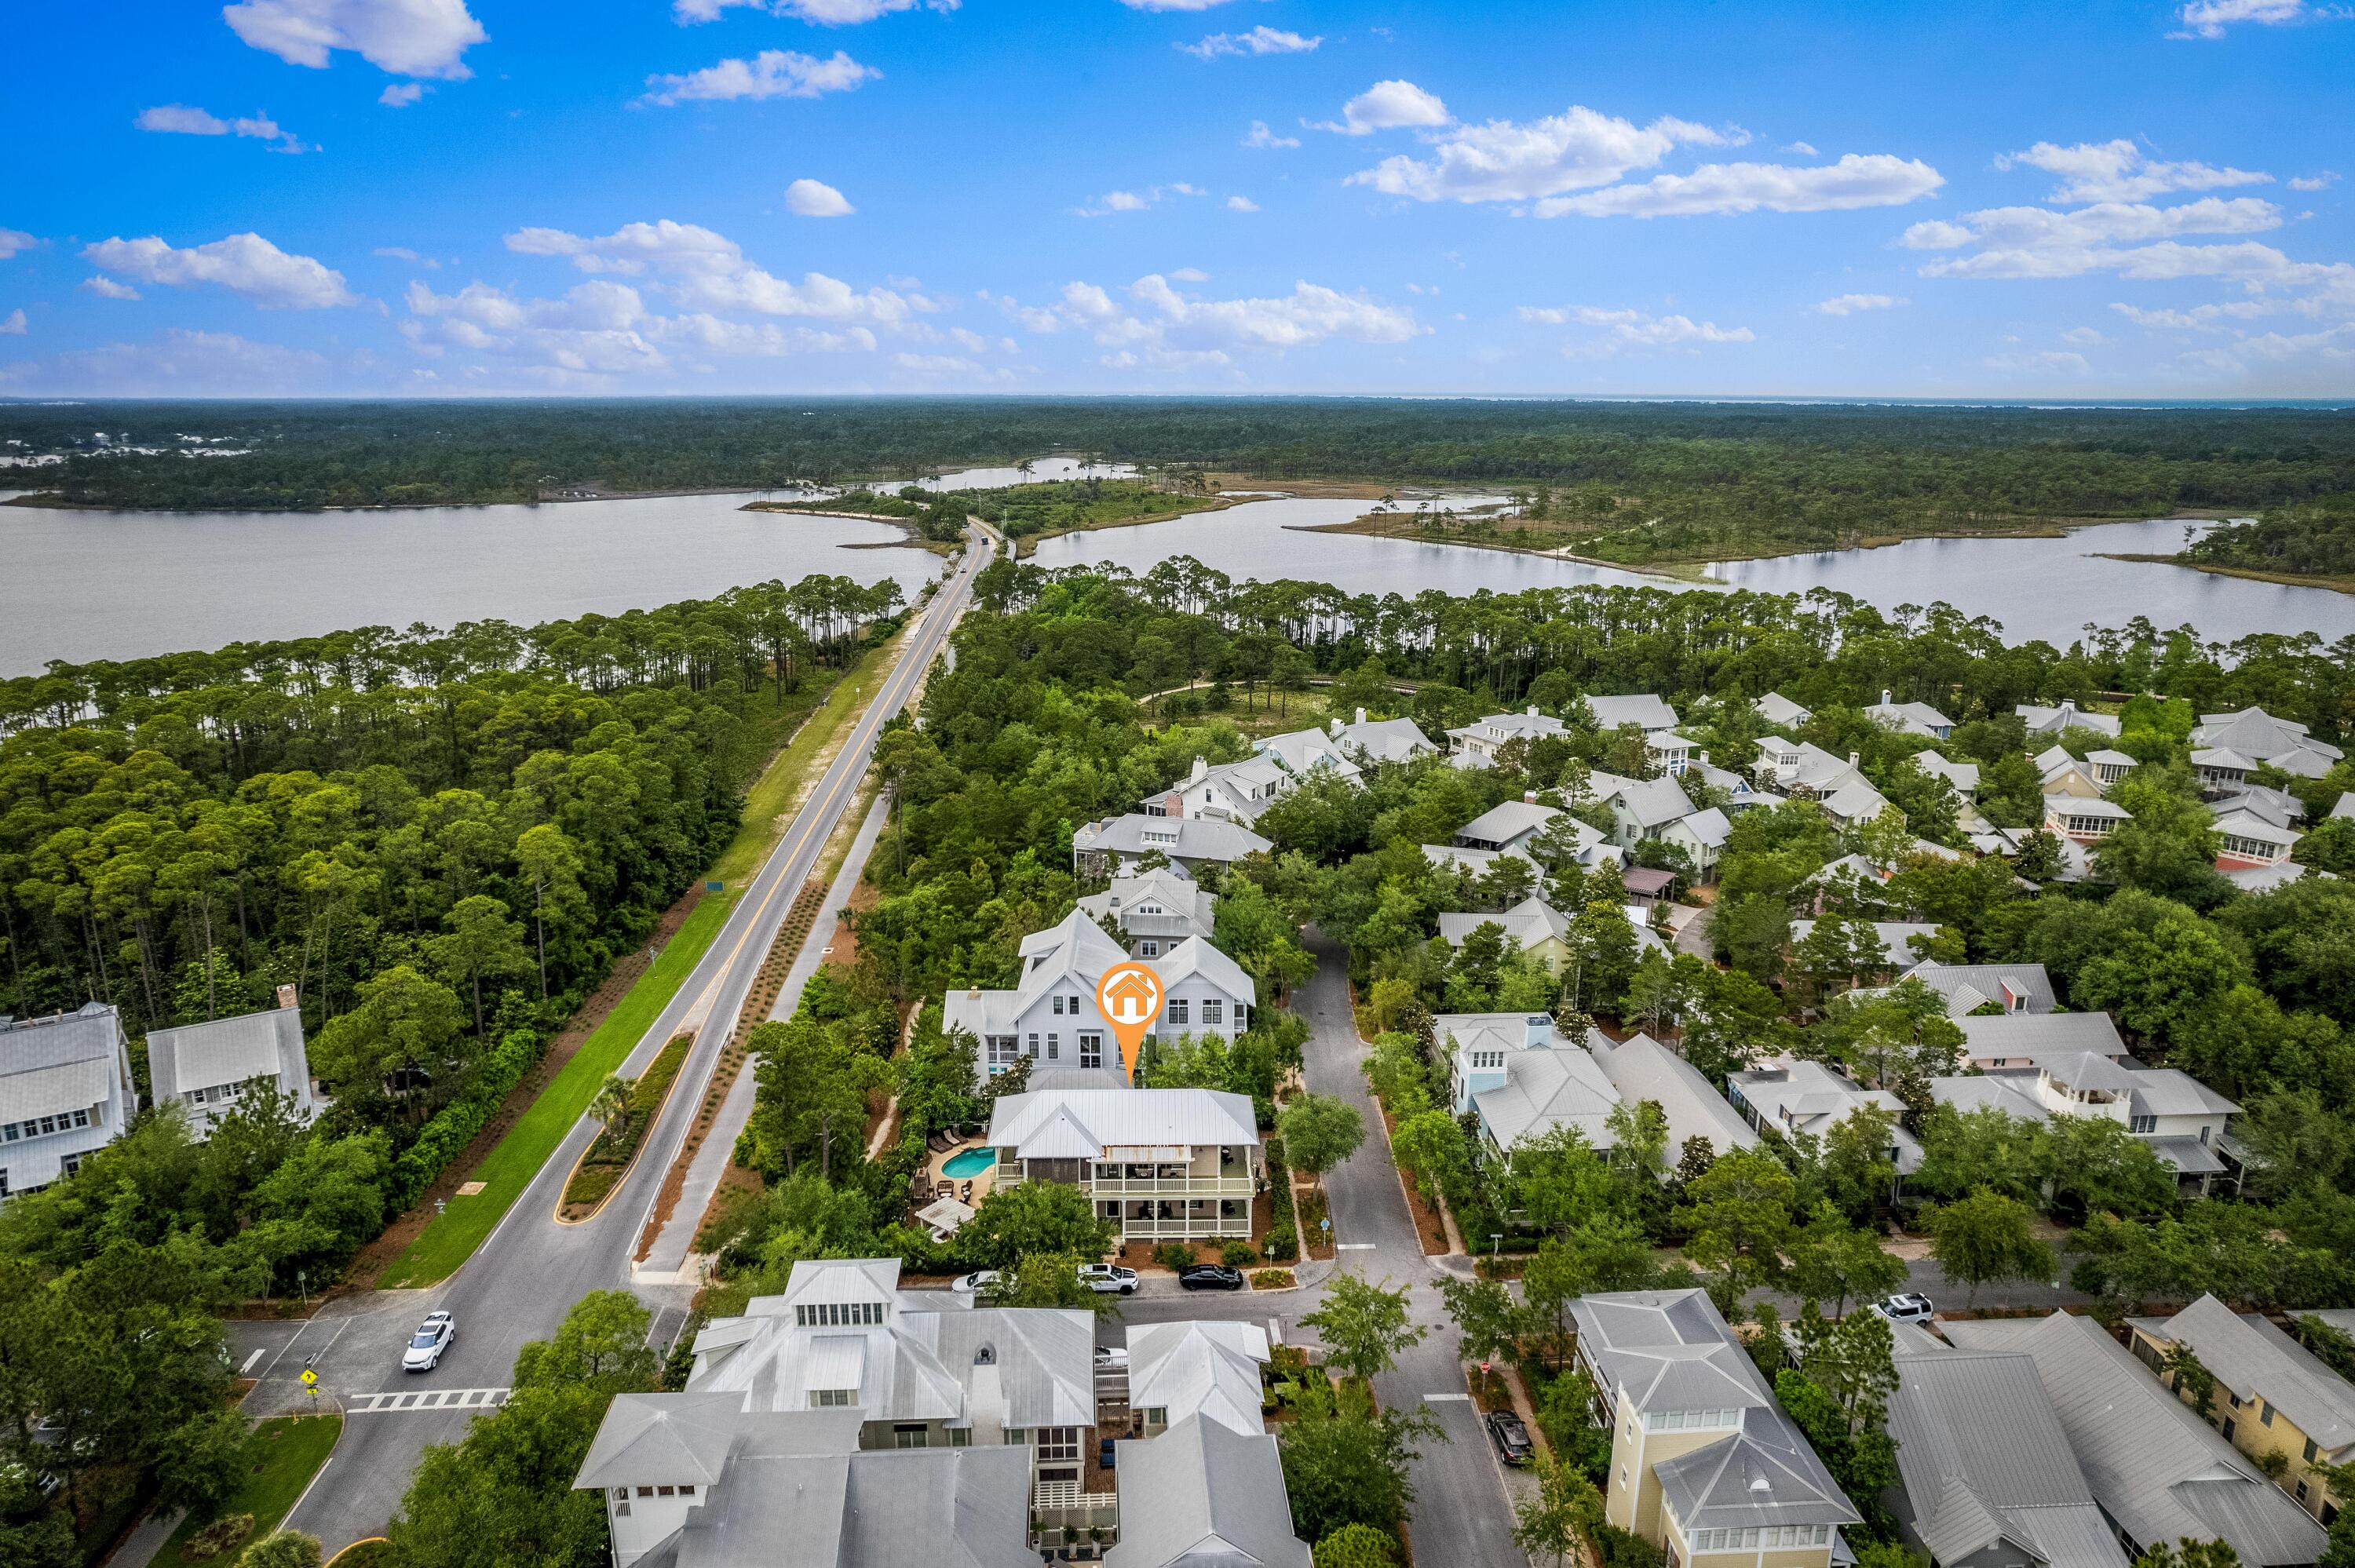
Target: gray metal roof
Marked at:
1641, 1068
1202, 1495
1646, 710
1196, 837
1528, 923
1650, 802
1989, 981
266, 1044
1546, 1088
1081, 1124
63, 1063
2255, 1360
1778, 709
2004, 1036
1509, 819
1206, 1369
2158, 1470
1979, 1091
670, 1439
1984, 1458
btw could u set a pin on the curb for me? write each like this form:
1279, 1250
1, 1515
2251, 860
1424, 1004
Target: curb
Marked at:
653, 1116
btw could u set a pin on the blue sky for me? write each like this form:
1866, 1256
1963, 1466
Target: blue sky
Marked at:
438, 198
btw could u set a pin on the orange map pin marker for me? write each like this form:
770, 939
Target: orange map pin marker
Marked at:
1129, 997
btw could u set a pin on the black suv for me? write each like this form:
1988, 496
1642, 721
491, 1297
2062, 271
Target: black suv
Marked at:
1511, 1438
1210, 1276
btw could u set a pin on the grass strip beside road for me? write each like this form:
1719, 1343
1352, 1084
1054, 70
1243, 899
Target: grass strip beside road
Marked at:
284, 1453
451, 1236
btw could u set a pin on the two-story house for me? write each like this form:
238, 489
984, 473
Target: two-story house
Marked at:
1114, 846
2237, 743
785, 1404
209, 1068
2085, 820
1167, 1164
1781, 712
1153, 911
1534, 926
2184, 1121
1997, 987
1646, 711
1520, 1078
65, 1092
2273, 1395
1051, 1016
2058, 721
1476, 744
2020, 1039
1803, 1099
1229, 792
1704, 1464
1345, 749
1910, 718
1805, 771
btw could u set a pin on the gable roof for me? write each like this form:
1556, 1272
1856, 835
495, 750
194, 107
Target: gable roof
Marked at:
1989, 1091
1646, 710
70, 1061
665, 1439
1984, 1458
1528, 923
2157, 1469
1981, 984
1912, 718
1195, 956
1081, 1124
1779, 710
1210, 1369
1549, 1087
2255, 1360
1504, 822
2042, 720
1641, 1068
2001, 1036
267, 1045
1202, 1495
1650, 802
1197, 838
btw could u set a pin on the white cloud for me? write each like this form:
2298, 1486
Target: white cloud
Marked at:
2209, 18
1503, 161
106, 288
1241, 204
703, 269
1137, 201
397, 253
1849, 305
407, 37
2047, 361
771, 73
1164, 327
817, 13
1857, 180
2133, 238
1259, 40
2118, 171
1190, 275
181, 119
13, 240
1805, 149
214, 364
1633, 329
1261, 136
815, 198
2320, 182
12, 324
244, 264
1171, 4
2084, 336
1387, 106
2324, 357
401, 94
2199, 318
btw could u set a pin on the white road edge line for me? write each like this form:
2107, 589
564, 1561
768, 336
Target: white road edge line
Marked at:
288, 1523
259, 1351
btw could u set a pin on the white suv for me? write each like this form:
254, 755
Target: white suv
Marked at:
1108, 1279
1906, 1307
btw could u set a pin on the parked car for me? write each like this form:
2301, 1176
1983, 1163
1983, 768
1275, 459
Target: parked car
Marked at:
432, 1338
1108, 1279
1210, 1276
974, 1284
1906, 1307
1511, 1438
1111, 1356
1106, 1454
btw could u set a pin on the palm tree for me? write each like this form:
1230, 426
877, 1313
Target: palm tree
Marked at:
612, 1106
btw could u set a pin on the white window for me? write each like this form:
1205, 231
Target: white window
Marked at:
1055, 1004
1054, 1047
1148, 948
1177, 1012
1213, 1010
1091, 1050
824, 1397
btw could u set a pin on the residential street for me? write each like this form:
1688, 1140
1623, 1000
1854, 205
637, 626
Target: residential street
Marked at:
530, 1270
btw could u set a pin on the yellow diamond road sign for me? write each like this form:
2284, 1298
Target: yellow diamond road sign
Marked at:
310, 1378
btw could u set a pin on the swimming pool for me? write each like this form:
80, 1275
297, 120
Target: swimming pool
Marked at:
969, 1163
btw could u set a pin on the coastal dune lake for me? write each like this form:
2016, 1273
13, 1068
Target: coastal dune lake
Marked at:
175, 581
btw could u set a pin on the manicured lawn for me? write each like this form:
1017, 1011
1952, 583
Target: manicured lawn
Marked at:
288, 1450
452, 1236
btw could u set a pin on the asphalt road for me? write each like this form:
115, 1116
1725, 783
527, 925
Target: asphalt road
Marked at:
1462, 1513
528, 1273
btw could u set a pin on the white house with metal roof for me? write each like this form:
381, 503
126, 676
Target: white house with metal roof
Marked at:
2159, 1473
1051, 1016
1210, 1369
2273, 1395
1165, 1164
1703, 1460
1230, 792
2235, 743
2009, 987
1113, 847
1202, 1495
1646, 711
65, 1092
211, 1068
1521, 1077
2183, 1121
1801, 1098
1642, 1069
1344, 750
1998, 1041
2083, 819
1910, 718
1781, 712
1476, 744
1154, 910
2058, 720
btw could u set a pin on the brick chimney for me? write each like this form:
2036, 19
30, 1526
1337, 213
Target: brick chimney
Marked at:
286, 997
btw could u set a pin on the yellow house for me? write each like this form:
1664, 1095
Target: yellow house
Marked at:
1704, 1464
2273, 1395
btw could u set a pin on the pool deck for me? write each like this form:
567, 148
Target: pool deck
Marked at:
935, 1168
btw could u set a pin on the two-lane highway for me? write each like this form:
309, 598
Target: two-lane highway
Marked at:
530, 1270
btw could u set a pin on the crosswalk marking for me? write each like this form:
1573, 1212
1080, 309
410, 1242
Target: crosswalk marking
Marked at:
401, 1401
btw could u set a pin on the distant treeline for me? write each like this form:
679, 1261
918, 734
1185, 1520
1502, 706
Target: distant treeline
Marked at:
2315, 539
1812, 471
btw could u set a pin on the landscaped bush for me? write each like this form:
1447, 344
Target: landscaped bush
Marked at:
609, 1157
1174, 1256
1237, 1255
1280, 1244
1272, 1280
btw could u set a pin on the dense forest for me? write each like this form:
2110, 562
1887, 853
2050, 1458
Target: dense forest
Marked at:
1802, 473
2307, 539
441, 839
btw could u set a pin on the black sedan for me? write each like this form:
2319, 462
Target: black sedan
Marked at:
1210, 1276
1511, 1438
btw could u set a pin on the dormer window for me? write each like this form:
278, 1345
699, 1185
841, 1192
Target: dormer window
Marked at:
832, 1398
838, 1314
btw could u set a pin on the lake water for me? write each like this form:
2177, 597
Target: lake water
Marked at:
119, 584
2047, 589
